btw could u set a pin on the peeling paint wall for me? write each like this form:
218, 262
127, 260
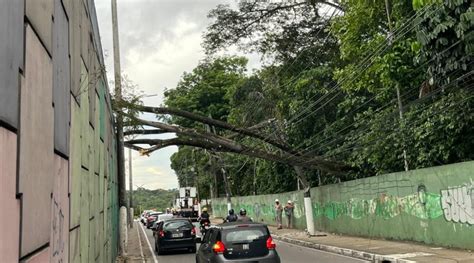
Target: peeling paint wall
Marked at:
57, 148
433, 205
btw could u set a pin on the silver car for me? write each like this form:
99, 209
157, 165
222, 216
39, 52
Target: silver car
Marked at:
238, 242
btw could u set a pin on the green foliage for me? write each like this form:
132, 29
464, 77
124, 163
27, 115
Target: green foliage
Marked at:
446, 34
441, 130
333, 89
159, 199
205, 90
278, 29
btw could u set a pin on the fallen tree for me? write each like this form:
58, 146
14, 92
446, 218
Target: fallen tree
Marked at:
283, 153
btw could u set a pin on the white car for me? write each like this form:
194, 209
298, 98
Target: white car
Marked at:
163, 217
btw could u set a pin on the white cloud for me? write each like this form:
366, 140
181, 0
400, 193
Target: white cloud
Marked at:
159, 40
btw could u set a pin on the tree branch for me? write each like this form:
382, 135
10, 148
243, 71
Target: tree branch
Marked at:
329, 3
233, 147
216, 123
254, 127
144, 132
215, 142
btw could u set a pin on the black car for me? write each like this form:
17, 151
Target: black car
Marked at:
175, 233
237, 241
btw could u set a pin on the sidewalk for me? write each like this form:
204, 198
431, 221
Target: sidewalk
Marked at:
374, 250
137, 250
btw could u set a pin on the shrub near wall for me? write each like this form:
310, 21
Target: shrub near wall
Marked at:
433, 205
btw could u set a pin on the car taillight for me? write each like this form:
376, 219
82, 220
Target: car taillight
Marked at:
193, 231
218, 247
162, 234
270, 243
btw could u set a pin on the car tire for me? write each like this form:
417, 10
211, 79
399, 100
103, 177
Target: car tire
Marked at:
192, 250
156, 247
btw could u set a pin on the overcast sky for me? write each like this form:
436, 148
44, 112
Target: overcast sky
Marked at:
159, 40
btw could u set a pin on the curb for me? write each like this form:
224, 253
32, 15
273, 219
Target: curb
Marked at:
343, 251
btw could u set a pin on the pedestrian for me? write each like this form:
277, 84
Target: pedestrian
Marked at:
289, 213
278, 212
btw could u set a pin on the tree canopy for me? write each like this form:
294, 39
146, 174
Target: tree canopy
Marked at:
349, 89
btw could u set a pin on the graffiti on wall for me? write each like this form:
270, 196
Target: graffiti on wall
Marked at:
260, 208
458, 203
57, 232
423, 205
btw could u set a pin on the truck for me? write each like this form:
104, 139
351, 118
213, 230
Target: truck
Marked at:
187, 203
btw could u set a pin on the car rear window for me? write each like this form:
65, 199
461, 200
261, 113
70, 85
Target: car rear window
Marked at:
245, 242
176, 224
245, 234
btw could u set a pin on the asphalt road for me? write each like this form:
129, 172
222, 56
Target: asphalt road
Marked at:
173, 256
288, 253
297, 254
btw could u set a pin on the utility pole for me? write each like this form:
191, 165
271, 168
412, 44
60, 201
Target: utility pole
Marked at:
255, 177
130, 193
119, 134
196, 182
118, 99
397, 88
226, 186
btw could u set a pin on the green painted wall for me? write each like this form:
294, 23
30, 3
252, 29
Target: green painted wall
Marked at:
433, 205
260, 207
94, 202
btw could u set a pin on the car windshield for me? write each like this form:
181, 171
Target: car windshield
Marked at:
176, 224
244, 234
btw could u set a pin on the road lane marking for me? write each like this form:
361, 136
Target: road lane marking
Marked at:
140, 243
149, 245
317, 250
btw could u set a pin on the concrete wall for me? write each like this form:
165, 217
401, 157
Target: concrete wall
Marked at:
434, 206
58, 179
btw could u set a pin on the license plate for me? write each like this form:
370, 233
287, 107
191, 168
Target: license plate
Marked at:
177, 235
245, 247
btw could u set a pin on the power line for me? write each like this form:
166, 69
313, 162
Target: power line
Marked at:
440, 89
301, 113
380, 108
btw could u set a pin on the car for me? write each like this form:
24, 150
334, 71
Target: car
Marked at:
144, 215
152, 218
163, 217
174, 233
238, 241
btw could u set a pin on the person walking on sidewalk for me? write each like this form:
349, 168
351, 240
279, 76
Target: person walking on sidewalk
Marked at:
289, 213
278, 212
